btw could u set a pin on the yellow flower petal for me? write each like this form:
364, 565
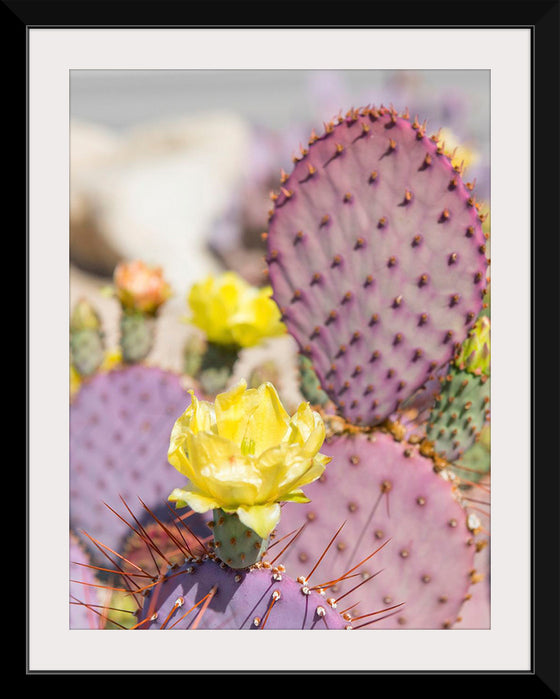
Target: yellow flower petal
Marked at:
295, 496
258, 316
269, 421
253, 418
233, 411
285, 468
308, 428
202, 417
260, 518
199, 416
232, 312
302, 472
196, 501
273, 466
222, 471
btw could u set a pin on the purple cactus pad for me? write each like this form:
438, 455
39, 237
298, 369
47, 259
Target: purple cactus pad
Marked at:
120, 425
84, 595
388, 493
205, 594
475, 613
377, 259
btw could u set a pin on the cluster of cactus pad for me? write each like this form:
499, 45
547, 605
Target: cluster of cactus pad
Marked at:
377, 258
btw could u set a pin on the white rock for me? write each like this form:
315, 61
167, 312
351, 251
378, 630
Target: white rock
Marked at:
152, 193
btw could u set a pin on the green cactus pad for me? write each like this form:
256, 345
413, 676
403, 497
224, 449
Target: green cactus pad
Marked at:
235, 544
475, 462
309, 383
87, 350
87, 339
137, 336
216, 366
459, 412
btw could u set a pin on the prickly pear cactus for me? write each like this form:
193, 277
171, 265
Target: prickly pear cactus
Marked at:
141, 291
474, 464
216, 367
239, 546
310, 386
137, 336
120, 422
207, 595
377, 259
204, 592
387, 490
475, 613
162, 542
461, 408
459, 414
85, 598
87, 339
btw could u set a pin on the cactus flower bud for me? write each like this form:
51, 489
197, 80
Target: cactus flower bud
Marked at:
140, 287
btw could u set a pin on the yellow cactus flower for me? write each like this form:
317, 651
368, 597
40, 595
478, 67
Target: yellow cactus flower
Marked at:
140, 287
245, 454
232, 312
459, 153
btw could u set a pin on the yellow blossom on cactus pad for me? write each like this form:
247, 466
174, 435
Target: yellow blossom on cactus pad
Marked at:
460, 153
474, 355
245, 454
140, 287
232, 312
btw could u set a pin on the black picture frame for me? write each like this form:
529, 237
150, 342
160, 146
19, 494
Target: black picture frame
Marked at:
542, 18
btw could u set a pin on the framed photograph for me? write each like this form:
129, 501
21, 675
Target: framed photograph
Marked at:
178, 152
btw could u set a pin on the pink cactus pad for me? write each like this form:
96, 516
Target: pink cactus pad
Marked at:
377, 259
475, 613
120, 424
388, 493
206, 595
84, 595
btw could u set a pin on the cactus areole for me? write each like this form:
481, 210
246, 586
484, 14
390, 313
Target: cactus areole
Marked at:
377, 259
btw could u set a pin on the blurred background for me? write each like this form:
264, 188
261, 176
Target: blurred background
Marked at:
175, 167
